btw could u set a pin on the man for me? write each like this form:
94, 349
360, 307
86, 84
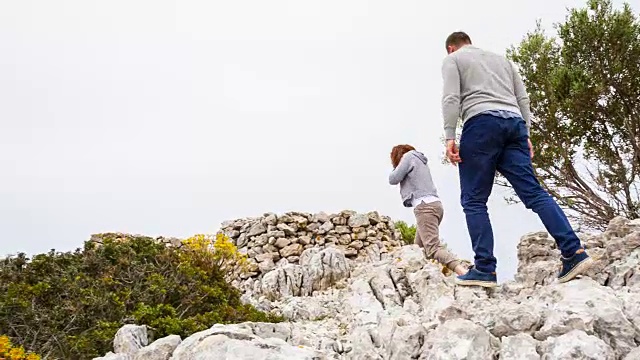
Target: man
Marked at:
486, 91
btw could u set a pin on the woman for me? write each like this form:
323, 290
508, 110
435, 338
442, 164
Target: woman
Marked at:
417, 190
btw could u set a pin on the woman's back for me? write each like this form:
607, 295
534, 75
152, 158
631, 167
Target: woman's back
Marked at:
414, 176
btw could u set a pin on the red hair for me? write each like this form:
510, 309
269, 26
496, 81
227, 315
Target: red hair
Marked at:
397, 152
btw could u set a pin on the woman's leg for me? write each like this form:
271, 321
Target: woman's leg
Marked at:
428, 218
418, 240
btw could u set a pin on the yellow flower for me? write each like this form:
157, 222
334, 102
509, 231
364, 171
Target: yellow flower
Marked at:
8, 352
5, 344
16, 353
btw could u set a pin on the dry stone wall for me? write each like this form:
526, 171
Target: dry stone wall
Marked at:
272, 239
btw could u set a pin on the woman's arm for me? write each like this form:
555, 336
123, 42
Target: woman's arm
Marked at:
399, 173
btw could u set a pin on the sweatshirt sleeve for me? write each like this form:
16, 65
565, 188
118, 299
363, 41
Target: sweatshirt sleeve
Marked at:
521, 96
450, 97
400, 172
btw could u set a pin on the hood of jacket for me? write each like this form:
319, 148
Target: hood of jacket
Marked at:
419, 155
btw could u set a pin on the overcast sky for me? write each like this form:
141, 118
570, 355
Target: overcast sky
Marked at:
167, 117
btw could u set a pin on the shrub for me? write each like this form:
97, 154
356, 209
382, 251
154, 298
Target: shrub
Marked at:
70, 304
221, 252
408, 232
10, 352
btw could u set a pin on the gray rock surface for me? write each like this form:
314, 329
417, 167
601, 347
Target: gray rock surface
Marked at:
238, 342
519, 347
460, 339
401, 306
576, 344
129, 339
161, 349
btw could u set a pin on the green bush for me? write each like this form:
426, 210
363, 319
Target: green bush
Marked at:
68, 305
408, 232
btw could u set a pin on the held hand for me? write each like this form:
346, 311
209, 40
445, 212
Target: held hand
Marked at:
530, 148
453, 153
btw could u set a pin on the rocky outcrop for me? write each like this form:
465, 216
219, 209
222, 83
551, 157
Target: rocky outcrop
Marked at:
616, 252
318, 270
403, 307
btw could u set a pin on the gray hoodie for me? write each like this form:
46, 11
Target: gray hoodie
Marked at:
414, 177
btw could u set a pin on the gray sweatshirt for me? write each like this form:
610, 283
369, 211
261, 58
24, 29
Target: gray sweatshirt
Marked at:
478, 81
414, 177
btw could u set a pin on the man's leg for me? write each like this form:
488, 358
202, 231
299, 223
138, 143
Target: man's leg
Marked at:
516, 166
480, 147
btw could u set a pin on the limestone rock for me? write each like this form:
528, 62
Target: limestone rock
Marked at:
129, 339
633, 355
256, 230
576, 344
161, 349
321, 217
538, 259
405, 342
282, 243
271, 219
516, 319
325, 268
112, 356
374, 218
267, 265
457, 340
585, 305
242, 240
519, 347
238, 342
297, 309
288, 229
341, 229
305, 240
283, 281
291, 250
359, 220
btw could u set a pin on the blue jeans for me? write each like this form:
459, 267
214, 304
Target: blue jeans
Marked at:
489, 143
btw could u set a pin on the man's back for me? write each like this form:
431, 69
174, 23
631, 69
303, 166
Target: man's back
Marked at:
476, 81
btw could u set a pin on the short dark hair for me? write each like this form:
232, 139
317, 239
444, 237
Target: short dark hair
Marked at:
457, 38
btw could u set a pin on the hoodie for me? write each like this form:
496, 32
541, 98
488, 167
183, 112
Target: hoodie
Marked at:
414, 177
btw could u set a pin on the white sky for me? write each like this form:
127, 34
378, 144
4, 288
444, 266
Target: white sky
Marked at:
168, 117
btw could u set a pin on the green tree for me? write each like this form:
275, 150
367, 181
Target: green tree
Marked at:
408, 232
68, 305
585, 100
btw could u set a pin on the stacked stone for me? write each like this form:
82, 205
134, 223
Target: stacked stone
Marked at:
273, 238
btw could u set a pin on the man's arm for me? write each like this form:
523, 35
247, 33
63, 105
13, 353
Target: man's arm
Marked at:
400, 172
450, 97
521, 96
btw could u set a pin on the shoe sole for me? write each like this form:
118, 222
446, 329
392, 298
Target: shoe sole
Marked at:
487, 284
582, 266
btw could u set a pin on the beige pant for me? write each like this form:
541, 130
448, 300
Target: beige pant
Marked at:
428, 218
